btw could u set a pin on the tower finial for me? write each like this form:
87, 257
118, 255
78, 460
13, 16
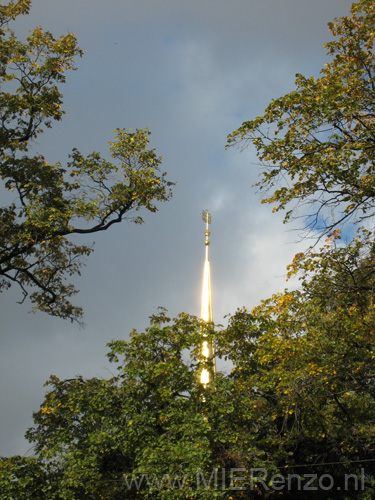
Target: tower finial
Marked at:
206, 216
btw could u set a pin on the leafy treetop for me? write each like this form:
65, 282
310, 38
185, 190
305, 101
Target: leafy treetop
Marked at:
318, 141
50, 204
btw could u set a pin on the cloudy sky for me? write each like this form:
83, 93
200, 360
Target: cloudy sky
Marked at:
190, 71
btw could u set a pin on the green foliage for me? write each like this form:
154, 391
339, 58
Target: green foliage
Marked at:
299, 400
51, 203
318, 142
310, 352
315, 356
23, 478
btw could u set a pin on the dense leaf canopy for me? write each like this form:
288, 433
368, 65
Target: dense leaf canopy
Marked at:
299, 400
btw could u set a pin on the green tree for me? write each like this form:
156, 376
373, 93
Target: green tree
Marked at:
299, 401
318, 142
130, 436
315, 347
310, 355
52, 205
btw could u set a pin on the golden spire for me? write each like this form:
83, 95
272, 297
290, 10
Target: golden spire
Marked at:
207, 348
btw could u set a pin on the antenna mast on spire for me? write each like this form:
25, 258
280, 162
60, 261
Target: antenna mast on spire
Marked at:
207, 348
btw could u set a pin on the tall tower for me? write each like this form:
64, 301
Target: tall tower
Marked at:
207, 349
